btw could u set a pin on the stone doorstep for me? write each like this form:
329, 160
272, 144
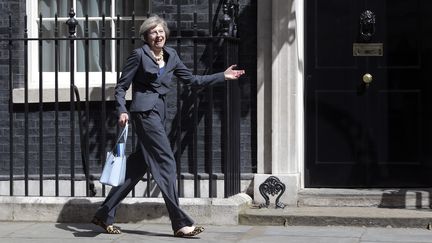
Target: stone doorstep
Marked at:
409, 198
338, 216
387, 207
214, 211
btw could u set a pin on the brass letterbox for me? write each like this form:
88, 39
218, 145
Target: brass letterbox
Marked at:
368, 49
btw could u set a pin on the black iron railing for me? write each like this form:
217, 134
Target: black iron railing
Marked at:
224, 42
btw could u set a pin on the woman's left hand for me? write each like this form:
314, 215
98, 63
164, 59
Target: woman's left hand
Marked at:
231, 74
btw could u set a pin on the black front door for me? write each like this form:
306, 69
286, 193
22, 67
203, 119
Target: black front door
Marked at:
368, 89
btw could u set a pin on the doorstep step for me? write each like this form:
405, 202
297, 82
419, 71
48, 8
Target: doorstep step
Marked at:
337, 216
382, 198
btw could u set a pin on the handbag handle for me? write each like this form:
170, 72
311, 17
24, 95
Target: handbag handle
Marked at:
123, 134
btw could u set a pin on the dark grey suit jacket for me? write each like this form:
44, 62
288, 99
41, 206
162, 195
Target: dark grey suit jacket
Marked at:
141, 70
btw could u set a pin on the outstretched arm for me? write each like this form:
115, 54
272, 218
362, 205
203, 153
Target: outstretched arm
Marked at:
182, 72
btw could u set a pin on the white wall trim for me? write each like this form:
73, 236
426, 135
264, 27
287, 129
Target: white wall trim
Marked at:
287, 86
264, 87
285, 100
95, 94
300, 108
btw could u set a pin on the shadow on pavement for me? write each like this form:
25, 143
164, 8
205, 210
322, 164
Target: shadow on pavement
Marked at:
81, 230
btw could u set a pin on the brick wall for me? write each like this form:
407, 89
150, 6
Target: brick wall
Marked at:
168, 8
17, 8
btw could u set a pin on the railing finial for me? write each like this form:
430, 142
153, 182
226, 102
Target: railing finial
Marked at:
225, 21
72, 22
229, 18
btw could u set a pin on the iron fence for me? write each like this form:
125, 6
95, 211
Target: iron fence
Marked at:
224, 42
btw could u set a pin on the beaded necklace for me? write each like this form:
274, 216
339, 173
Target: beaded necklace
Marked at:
159, 57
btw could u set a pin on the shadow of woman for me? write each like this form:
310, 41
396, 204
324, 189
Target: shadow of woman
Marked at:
147, 233
81, 230
91, 230
202, 110
88, 230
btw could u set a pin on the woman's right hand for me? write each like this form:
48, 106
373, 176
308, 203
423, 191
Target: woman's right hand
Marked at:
231, 74
123, 119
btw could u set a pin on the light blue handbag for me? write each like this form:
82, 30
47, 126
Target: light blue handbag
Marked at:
114, 171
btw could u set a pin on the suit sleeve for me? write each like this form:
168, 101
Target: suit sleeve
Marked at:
127, 76
183, 73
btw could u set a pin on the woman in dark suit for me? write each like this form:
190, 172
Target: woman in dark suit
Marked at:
150, 69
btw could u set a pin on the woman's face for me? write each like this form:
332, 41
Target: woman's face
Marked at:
156, 37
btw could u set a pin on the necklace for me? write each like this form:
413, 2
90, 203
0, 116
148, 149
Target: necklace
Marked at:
158, 57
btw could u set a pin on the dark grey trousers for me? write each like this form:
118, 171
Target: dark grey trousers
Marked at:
153, 152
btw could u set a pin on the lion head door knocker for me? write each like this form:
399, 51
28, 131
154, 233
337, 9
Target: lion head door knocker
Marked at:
367, 25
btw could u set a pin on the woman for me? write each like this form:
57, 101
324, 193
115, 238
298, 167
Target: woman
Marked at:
150, 69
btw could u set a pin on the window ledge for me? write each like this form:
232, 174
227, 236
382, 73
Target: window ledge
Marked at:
48, 95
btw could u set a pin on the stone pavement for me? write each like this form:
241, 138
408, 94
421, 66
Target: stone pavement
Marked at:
43, 232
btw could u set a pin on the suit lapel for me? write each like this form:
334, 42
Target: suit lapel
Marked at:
168, 65
169, 60
169, 56
147, 51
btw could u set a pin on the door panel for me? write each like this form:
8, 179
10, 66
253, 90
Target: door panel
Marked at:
345, 132
376, 134
333, 35
397, 127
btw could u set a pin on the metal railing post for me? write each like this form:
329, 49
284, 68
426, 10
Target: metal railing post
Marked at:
231, 122
40, 108
26, 110
72, 23
56, 105
11, 119
209, 112
179, 108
